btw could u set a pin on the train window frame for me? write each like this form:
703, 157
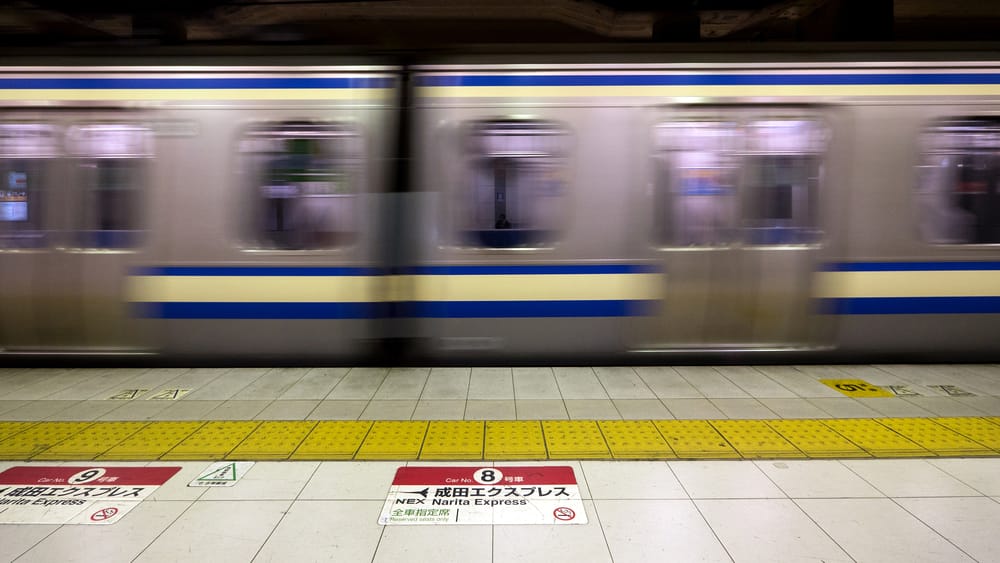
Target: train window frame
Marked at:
252, 210
933, 205
39, 234
478, 152
741, 219
138, 154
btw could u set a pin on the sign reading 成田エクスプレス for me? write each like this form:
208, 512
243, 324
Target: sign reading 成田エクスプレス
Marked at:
484, 495
75, 495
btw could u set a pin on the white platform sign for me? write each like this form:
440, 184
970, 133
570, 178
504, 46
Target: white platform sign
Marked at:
222, 474
75, 495
483, 495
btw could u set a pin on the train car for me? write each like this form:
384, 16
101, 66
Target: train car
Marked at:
194, 209
781, 206
502, 208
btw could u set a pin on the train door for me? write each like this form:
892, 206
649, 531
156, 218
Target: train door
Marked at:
29, 164
736, 230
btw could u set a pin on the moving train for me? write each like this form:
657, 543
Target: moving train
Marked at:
499, 207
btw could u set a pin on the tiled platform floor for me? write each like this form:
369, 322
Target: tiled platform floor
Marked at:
776, 510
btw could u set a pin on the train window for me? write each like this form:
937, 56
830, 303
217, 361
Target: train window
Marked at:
782, 169
516, 184
303, 179
697, 172
110, 165
28, 152
958, 191
722, 182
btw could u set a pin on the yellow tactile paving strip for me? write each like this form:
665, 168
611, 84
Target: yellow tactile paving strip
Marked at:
501, 440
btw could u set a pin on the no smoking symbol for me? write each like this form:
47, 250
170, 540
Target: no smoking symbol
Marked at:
564, 513
103, 514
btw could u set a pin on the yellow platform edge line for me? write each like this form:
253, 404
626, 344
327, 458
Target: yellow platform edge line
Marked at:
508, 440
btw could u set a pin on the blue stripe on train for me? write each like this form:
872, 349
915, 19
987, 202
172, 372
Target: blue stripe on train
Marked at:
174, 83
197, 310
256, 271
813, 79
910, 305
498, 270
524, 309
909, 266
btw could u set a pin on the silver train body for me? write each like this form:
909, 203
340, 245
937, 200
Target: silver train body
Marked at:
502, 209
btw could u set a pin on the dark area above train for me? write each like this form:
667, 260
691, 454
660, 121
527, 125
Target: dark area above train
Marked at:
430, 23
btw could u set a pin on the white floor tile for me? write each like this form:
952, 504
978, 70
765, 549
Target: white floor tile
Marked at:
768, 530
795, 380
389, 410
315, 384
645, 480
187, 410
354, 480
535, 383
225, 386
338, 410
547, 544
288, 410
592, 409
845, 407
693, 409
724, 479
272, 384
579, 383
359, 383
540, 409
878, 530
909, 478
969, 523
945, 406
267, 480
743, 408
754, 382
447, 383
667, 383
816, 478
121, 541
658, 530
343, 530
794, 408
238, 410
177, 487
440, 409
710, 383
137, 409
641, 409
491, 384
15, 539
980, 474
623, 383
471, 544
41, 410
490, 410
402, 383
897, 407
217, 531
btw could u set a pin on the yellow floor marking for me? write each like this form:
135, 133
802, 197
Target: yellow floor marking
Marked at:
214, 440
695, 439
273, 439
454, 439
514, 439
501, 440
393, 439
8, 429
333, 439
876, 439
935, 437
978, 429
153, 441
856, 388
635, 439
92, 442
755, 439
815, 439
574, 439
28, 443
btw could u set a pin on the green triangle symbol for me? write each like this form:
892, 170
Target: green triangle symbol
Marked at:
225, 473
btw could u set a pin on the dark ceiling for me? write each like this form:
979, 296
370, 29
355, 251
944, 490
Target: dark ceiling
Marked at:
427, 23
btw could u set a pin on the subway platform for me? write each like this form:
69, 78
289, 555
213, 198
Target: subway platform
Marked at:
685, 463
